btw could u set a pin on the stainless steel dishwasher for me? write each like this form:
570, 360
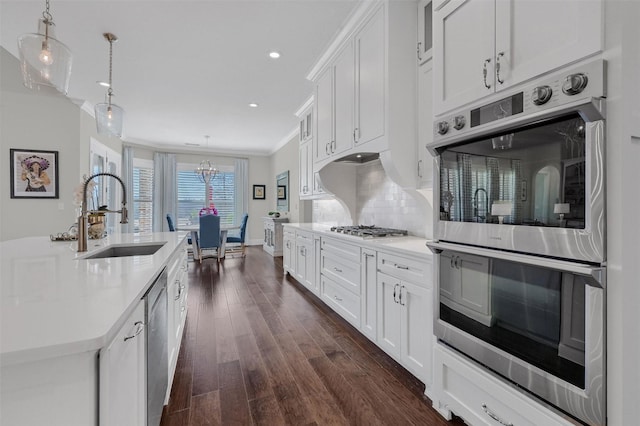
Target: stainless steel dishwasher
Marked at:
157, 361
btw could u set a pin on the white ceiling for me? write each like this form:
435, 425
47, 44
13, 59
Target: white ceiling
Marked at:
185, 69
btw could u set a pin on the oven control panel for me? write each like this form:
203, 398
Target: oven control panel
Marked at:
554, 90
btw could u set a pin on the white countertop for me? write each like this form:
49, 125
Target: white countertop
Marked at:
408, 245
55, 303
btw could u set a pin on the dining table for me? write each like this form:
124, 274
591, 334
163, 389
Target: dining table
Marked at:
195, 228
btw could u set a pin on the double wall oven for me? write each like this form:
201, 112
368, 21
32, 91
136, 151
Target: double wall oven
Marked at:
520, 237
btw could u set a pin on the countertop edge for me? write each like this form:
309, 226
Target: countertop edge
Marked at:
96, 342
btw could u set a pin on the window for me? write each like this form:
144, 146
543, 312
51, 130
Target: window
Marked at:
191, 194
142, 196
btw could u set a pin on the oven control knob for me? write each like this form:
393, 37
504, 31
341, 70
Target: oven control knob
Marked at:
541, 95
459, 122
574, 84
443, 127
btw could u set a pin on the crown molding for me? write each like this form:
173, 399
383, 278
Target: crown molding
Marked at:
292, 134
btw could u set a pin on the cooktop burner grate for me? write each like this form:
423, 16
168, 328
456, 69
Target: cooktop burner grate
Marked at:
369, 231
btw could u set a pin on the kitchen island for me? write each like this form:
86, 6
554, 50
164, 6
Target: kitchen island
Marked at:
58, 311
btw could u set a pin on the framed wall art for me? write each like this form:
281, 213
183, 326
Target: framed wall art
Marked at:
33, 173
282, 192
258, 192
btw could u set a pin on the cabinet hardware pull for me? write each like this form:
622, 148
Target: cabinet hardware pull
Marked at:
500, 55
494, 416
333, 146
400, 296
182, 309
457, 262
367, 255
395, 288
337, 269
139, 327
400, 266
326, 149
419, 57
337, 298
452, 262
484, 72
419, 171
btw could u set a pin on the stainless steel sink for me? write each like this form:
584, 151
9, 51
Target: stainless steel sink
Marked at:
139, 249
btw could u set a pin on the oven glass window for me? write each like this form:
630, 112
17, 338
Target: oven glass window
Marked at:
530, 176
533, 313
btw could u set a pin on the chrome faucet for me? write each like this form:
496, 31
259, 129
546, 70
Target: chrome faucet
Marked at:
475, 204
82, 220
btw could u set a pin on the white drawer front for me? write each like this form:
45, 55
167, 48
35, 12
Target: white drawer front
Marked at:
341, 249
304, 237
341, 300
342, 271
416, 271
480, 398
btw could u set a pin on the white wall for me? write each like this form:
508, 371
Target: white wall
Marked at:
286, 159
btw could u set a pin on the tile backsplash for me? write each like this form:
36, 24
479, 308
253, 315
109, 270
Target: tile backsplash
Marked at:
380, 202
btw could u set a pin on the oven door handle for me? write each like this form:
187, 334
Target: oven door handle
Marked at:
595, 275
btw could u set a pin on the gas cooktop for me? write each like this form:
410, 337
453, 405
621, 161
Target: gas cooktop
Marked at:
369, 231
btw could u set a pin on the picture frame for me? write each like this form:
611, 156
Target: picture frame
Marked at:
282, 192
258, 192
34, 173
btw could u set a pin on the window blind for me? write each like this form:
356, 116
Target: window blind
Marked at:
142, 199
191, 195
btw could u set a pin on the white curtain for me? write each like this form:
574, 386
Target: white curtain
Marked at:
241, 190
165, 190
127, 178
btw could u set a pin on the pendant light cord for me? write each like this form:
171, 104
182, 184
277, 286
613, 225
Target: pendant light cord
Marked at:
48, 20
110, 38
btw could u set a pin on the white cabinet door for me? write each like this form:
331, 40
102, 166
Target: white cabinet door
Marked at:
122, 374
389, 315
370, 80
534, 37
343, 92
305, 174
324, 115
425, 31
463, 48
288, 252
484, 46
301, 264
425, 124
417, 320
369, 293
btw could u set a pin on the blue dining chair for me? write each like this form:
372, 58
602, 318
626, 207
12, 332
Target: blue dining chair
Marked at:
209, 235
170, 223
172, 227
240, 238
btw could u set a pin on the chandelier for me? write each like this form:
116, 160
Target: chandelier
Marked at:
44, 61
109, 116
206, 171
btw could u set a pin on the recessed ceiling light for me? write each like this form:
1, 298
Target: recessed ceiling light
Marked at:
359, 156
103, 83
274, 55
253, 105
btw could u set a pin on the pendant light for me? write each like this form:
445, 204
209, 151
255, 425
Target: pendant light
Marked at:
109, 115
45, 62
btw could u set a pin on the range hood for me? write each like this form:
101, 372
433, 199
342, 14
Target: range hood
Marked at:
359, 158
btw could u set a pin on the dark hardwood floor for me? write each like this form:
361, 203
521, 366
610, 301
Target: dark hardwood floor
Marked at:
259, 349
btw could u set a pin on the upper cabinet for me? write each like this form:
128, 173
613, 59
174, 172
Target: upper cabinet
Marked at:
425, 31
369, 105
365, 86
310, 184
482, 47
334, 106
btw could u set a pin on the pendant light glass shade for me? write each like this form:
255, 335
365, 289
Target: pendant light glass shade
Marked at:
45, 62
109, 116
109, 119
